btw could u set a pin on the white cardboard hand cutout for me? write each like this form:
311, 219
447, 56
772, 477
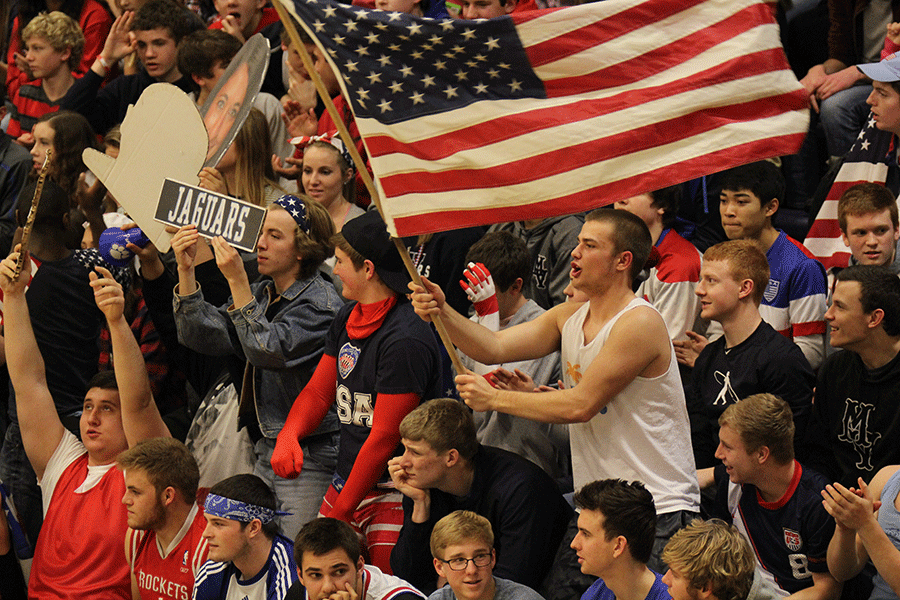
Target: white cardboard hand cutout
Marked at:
162, 137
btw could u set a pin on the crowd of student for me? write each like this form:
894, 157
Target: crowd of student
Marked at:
287, 424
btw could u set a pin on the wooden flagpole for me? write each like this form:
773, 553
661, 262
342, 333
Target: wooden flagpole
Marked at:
361, 168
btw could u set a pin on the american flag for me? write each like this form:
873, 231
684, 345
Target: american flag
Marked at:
553, 112
865, 162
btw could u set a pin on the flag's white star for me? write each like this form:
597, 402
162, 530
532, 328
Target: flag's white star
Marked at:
493, 73
481, 88
362, 50
414, 28
384, 60
503, 65
417, 98
330, 11
350, 65
417, 55
447, 24
492, 43
471, 64
468, 33
428, 81
871, 122
381, 25
440, 65
319, 26
861, 135
385, 105
461, 75
372, 38
451, 92
363, 94
515, 86
396, 87
865, 145
394, 47
339, 40
406, 70
479, 58
351, 26
373, 77
395, 16
435, 39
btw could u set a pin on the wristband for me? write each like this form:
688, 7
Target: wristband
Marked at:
103, 62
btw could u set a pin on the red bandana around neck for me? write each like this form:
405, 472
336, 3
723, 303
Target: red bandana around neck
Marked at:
365, 319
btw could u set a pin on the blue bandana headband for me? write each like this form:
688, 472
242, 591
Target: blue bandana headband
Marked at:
297, 209
235, 510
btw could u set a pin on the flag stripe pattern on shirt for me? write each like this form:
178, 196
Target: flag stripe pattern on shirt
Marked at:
553, 112
865, 162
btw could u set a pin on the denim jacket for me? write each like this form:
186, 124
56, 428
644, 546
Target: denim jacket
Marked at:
281, 354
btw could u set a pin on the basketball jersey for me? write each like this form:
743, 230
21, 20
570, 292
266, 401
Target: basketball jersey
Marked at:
169, 575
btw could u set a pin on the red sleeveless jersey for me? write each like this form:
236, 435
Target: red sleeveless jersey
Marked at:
170, 577
80, 552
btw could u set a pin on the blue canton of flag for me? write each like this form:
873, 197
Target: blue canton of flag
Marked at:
403, 68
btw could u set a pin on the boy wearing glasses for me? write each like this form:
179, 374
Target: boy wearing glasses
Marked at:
462, 544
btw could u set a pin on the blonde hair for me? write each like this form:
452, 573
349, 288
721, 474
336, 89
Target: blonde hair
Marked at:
746, 260
253, 167
712, 553
460, 527
763, 420
61, 31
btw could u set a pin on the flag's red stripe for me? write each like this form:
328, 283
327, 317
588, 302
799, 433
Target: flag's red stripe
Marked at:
825, 229
839, 187
838, 259
601, 32
520, 18
661, 59
604, 194
512, 126
591, 151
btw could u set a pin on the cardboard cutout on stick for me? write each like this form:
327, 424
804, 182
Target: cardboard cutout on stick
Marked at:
162, 136
229, 103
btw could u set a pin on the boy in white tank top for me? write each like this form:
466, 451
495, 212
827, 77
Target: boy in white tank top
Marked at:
623, 395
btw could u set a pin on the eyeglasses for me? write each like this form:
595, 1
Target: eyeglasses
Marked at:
460, 564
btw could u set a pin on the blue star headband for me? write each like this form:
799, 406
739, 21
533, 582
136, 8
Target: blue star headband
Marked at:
235, 510
297, 209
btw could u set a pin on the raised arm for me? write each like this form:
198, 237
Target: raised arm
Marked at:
638, 345
140, 416
40, 425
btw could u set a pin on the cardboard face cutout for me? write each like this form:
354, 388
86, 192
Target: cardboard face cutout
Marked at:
162, 136
227, 106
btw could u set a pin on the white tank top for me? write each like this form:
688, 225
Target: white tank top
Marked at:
642, 434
